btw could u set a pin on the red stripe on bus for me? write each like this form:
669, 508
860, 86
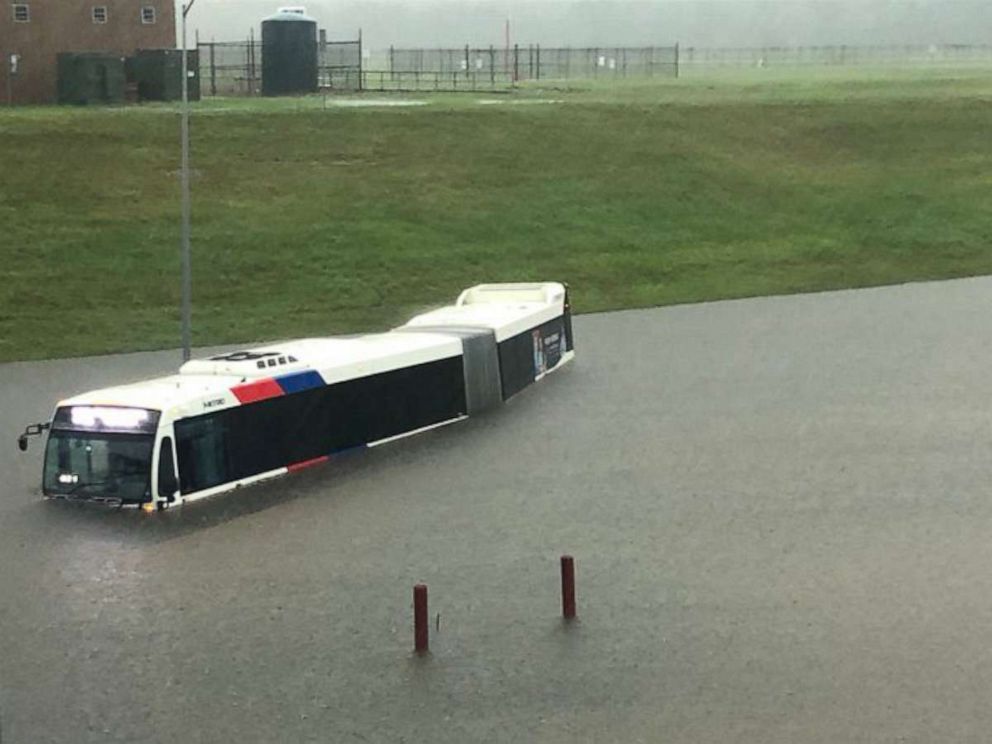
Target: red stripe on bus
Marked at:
307, 463
254, 391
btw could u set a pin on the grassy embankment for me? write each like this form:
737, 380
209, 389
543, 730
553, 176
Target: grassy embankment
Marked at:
312, 221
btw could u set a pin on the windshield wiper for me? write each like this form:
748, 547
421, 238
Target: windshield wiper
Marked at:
90, 484
109, 498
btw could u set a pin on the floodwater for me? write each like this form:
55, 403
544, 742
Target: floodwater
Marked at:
779, 510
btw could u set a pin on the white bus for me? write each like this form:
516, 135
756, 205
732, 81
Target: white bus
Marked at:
237, 418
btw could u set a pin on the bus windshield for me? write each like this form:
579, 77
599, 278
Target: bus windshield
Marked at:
90, 465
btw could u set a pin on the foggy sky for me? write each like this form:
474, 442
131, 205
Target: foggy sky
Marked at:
727, 23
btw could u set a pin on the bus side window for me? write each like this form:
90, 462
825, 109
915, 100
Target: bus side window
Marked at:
202, 449
167, 483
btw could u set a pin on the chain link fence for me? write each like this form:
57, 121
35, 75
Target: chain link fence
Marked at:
436, 80
234, 68
340, 65
855, 56
506, 65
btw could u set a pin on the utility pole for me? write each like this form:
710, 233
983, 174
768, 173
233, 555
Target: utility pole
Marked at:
187, 277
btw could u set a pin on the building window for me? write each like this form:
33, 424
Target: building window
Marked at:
148, 14
99, 14
22, 13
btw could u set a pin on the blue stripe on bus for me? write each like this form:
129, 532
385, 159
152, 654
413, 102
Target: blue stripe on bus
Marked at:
299, 381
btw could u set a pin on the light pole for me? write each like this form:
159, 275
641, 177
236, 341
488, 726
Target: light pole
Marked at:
187, 278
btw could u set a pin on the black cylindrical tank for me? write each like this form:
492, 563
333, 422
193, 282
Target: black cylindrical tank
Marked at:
289, 54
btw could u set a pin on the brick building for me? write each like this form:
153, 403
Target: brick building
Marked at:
34, 32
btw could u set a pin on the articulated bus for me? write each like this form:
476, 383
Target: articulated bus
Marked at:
237, 418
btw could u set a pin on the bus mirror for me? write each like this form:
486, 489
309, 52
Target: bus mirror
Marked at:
32, 430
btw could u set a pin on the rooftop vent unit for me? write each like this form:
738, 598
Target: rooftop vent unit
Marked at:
262, 363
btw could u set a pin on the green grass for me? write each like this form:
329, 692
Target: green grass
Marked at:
312, 221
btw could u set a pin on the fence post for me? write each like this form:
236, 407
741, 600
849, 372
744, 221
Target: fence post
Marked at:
248, 76
252, 70
492, 66
506, 50
391, 52
361, 60
213, 69
538, 61
199, 63
677, 60
516, 62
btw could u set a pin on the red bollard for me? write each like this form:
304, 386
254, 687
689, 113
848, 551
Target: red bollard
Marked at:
420, 622
568, 587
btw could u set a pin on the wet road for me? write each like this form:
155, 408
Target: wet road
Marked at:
779, 508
